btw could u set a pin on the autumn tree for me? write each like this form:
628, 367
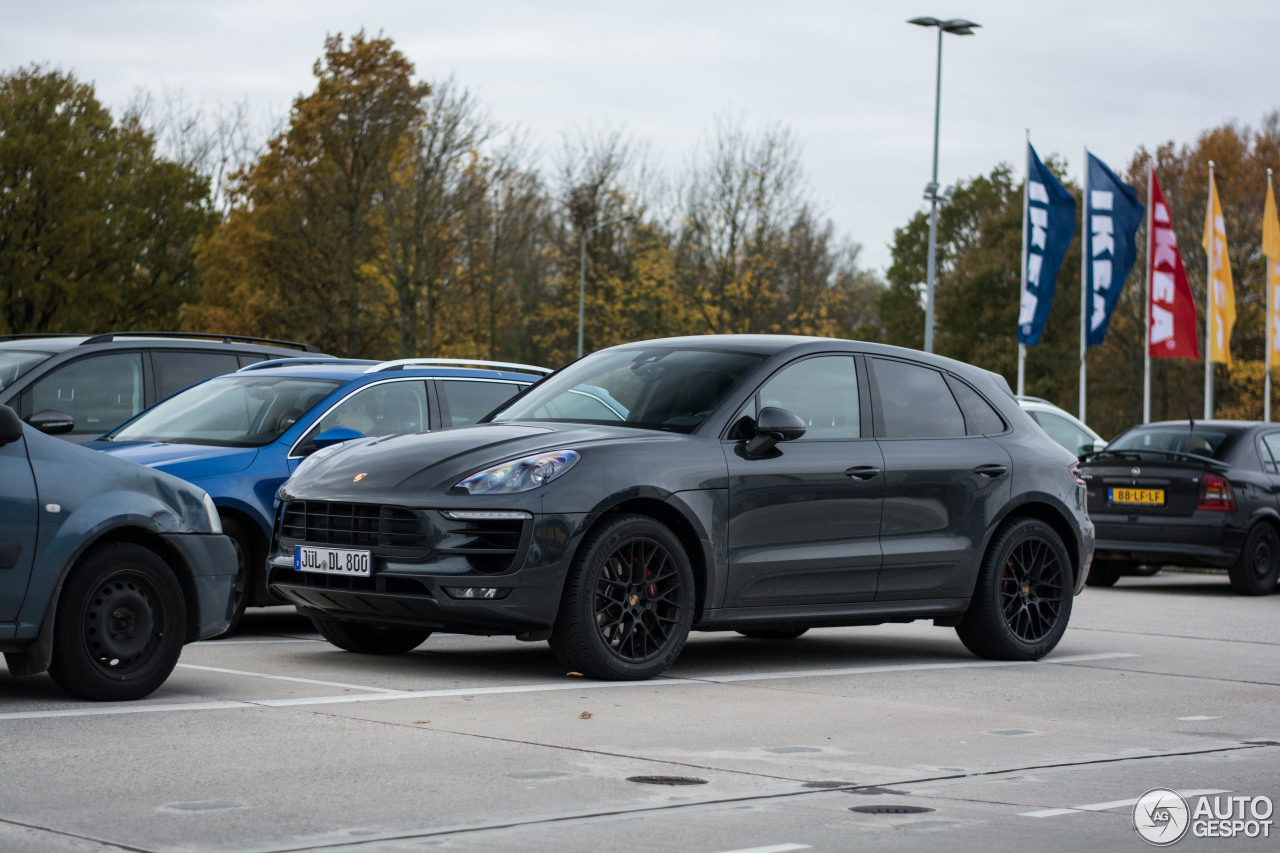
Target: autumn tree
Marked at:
300, 253
96, 230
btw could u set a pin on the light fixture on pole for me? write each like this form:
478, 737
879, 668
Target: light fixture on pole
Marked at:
582, 269
959, 27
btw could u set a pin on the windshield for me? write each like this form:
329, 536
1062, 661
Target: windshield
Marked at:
14, 363
228, 411
658, 388
1199, 441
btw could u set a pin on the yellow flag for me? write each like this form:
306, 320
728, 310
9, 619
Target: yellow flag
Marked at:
1222, 297
1271, 248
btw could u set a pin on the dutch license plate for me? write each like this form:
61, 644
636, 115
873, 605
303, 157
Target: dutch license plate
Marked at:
332, 561
1136, 497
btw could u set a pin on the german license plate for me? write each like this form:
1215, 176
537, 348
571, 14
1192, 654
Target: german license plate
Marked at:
1136, 497
331, 561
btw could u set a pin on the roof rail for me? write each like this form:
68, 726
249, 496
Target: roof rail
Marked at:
293, 362
401, 363
30, 335
208, 336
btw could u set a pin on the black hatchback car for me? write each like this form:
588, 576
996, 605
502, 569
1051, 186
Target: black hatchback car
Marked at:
1188, 493
761, 484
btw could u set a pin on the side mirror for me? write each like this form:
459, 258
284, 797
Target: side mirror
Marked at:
10, 426
774, 425
52, 422
335, 435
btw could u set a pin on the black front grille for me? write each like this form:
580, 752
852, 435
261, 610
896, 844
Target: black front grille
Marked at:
352, 524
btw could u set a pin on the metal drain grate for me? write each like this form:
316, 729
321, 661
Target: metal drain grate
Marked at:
891, 809
666, 780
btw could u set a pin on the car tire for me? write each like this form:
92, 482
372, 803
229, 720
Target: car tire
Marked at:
1104, 573
246, 573
120, 624
1259, 564
366, 639
628, 601
774, 633
1022, 600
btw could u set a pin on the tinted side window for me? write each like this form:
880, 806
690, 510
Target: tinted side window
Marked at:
979, 417
99, 391
1270, 452
468, 402
915, 401
176, 370
823, 391
389, 408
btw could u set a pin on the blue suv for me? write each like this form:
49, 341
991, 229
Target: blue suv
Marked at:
239, 436
106, 568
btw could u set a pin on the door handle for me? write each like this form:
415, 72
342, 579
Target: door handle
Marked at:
863, 472
991, 471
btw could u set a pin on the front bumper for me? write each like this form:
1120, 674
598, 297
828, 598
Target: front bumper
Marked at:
515, 573
212, 561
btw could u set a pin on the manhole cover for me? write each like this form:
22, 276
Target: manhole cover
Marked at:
891, 809
666, 780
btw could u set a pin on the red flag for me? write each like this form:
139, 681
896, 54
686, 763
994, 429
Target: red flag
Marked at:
1171, 332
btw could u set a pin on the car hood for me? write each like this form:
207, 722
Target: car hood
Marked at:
188, 461
432, 463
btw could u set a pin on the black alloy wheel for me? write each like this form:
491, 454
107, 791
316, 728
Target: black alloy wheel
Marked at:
1022, 601
1255, 572
120, 624
367, 639
628, 602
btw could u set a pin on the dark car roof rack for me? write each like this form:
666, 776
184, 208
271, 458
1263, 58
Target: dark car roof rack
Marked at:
207, 336
297, 362
29, 335
402, 363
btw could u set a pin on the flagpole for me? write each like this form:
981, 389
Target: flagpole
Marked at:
1208, 316
1146, 353
1084, 280
1266, 381
1026, 203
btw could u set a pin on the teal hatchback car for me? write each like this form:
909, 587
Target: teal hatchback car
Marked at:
107, 568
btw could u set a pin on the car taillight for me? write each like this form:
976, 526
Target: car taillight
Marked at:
1074, 468
1216, 493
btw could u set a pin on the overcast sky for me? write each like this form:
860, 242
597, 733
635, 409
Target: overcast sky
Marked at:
852, 80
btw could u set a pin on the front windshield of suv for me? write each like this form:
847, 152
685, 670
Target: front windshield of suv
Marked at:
14, 363
228, 411
1198, 440
653, 388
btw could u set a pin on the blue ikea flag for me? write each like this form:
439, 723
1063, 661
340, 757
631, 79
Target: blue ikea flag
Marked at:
1050, 224
1112, 216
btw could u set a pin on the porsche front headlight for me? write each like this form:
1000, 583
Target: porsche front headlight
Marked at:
520, 475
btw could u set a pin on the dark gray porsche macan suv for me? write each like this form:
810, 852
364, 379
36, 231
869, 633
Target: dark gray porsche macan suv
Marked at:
761, 484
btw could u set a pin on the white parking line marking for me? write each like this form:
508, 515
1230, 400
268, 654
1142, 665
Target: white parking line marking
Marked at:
1197, 719
1102, 807
136, 708
776, 848
290, 678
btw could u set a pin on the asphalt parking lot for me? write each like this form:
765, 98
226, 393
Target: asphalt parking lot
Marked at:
878, 738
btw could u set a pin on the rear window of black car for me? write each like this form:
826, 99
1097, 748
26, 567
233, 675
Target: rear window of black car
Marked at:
1200, 441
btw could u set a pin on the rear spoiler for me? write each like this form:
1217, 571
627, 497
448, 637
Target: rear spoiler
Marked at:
1162, 455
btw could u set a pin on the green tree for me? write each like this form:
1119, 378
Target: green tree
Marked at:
96, 231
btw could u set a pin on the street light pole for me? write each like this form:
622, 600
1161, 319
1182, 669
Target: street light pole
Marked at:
960, 27
582, 269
